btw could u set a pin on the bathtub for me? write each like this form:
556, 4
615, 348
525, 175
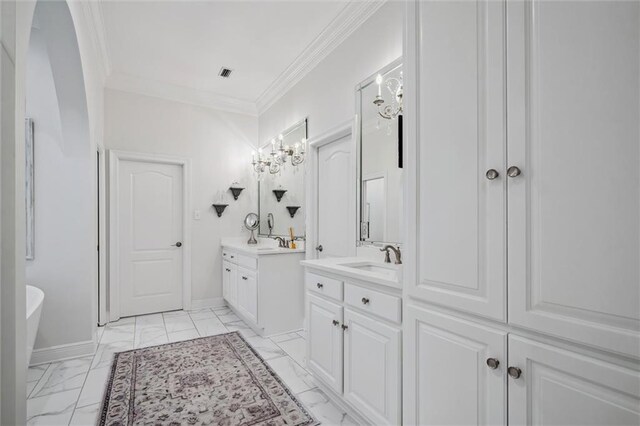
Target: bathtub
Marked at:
35, 297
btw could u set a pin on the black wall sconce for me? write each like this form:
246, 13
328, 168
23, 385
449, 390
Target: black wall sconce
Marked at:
235, 189
279, 193
220, 208
293, 210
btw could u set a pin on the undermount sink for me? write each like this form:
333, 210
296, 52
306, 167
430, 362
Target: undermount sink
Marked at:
376, 268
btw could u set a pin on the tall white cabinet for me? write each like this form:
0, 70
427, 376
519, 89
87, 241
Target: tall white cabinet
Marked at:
522, 283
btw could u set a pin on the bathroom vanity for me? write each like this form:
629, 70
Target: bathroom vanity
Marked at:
263, 284
354, 314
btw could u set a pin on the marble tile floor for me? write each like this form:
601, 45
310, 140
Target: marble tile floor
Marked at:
70, 392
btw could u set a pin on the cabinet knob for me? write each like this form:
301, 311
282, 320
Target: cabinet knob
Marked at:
492, 174
365, 301
493, 363
345, 327
514, 372
513, 171
320, 248
319, 285
232, 257
336, 322
245, 278
228, 270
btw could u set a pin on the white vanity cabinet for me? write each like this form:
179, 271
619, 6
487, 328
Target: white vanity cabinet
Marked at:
264, 286
354, 342
523, 238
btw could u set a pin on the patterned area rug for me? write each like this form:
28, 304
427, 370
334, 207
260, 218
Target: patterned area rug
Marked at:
217, 380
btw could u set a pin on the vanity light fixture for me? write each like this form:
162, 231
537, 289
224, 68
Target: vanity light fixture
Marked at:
293, 210
219, 208
278, 157
394, 86
235, 189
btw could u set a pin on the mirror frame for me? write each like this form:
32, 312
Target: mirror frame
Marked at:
362, 85
267, 144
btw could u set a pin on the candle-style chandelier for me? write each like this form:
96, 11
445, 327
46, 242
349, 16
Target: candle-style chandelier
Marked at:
278, 157
394, 86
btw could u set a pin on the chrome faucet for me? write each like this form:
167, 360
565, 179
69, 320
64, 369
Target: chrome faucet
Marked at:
282, 243
396, 251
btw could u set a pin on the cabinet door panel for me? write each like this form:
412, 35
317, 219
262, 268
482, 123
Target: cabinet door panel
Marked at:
324, 342
447, 380
372, 368
559, 387
574, 233
461, 134
233, 284
226, 270
248, 294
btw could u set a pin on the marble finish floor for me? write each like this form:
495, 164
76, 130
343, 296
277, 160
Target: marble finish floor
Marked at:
70, 392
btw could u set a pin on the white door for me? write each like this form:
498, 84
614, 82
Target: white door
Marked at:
372, 368
461, 117
336, 189
574, 233
150, 234
559, 387
448, 379
324, 342
248, 294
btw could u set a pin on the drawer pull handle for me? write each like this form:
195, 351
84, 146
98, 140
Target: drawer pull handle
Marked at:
514, 372
345, 327
493, 363
319, 285
365, 301
336, 322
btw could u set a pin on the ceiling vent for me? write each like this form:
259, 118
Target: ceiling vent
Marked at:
224, 72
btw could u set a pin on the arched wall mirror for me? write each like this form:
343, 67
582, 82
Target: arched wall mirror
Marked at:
379, 156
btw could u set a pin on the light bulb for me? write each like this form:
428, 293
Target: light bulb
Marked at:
379, 79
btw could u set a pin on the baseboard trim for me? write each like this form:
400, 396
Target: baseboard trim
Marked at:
215, 302
62, 352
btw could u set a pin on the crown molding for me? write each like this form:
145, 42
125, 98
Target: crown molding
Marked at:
95, 24
342, 26
156, 89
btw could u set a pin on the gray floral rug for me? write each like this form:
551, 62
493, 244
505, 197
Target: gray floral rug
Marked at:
216, 380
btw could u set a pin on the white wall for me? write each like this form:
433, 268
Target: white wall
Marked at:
64, 266
220, 146
327, 94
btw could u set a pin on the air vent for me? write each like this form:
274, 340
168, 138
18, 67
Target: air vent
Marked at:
224, 72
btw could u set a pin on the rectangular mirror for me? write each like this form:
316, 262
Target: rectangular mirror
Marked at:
380, 203
281, 186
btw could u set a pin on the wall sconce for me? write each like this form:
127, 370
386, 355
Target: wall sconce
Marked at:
235, 189
220, 208
293, 210
279, 193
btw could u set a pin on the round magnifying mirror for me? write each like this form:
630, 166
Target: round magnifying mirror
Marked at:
251, 222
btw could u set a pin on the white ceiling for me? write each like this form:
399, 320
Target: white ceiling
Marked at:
183, 44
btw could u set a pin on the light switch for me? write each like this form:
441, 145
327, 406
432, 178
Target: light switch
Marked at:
196, 214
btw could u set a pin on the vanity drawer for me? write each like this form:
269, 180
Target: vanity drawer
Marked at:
246, 261
328, 286
375, 302
229, 256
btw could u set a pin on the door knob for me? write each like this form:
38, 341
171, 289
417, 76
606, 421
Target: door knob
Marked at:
320, 248
178, 244
492, 174
513, 171
514, 372
493, 363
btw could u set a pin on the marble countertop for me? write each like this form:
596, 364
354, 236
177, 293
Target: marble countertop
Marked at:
264, 247
360, 268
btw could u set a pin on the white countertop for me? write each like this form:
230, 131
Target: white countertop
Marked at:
356, 267
264, 247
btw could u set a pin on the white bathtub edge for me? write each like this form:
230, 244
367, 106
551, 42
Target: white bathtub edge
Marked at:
63, 352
